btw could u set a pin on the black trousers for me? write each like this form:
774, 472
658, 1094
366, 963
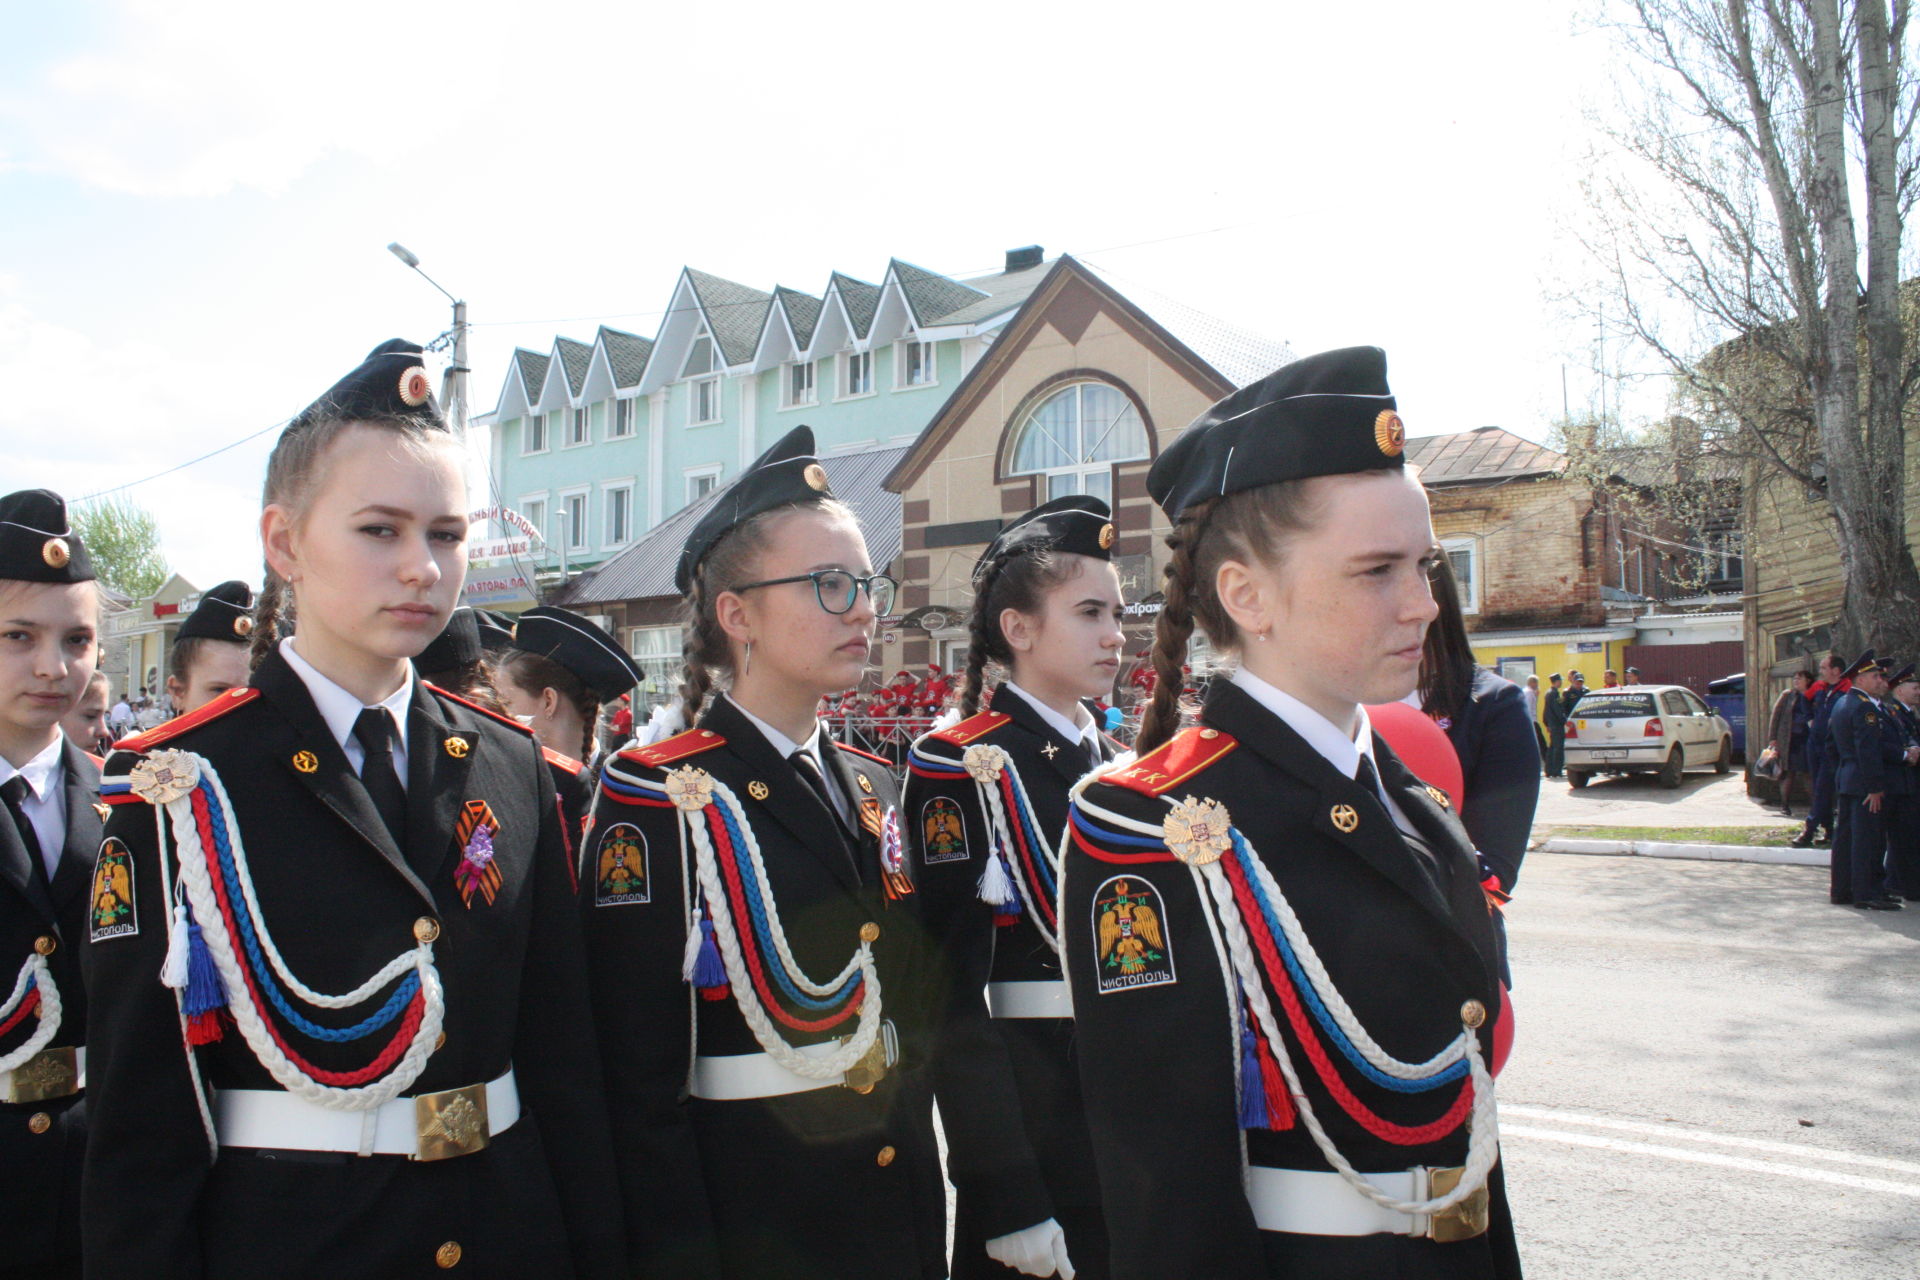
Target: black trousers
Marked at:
1859, 859
1902, 815
1556, 752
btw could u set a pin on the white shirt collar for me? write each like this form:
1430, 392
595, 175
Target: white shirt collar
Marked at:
1325, 737
1071, 730
781, 742
340, 708
42, 772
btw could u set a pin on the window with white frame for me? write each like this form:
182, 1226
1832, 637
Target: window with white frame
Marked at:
703, 401
534, 433
916, 365
580, 426
1074, 438
623, 411
1463, 557
798, 388
856, 373
702, 481
619, 503
656, 651
535, 510
573, 506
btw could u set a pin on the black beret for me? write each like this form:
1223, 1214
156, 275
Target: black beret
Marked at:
391, 382
225, 612
496, 628
455, 647
786, 475
36, 542
1327, 415
565, 637
1864, 663
1077, 523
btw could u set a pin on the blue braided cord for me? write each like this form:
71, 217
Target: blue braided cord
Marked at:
1081, 820
115, 788
763, 935
612, 784
263, 972
1024, 816
1312, 997
945, 768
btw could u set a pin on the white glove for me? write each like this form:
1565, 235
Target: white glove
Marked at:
1040, 1250
945, 720
668, 719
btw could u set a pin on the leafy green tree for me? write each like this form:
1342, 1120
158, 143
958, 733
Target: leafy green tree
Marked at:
123, 540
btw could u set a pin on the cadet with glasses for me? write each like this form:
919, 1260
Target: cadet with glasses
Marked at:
751, 924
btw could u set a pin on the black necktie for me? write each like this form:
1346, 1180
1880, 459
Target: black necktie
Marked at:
805, 765
374, 731
1423, 854
1368, 778
14, 791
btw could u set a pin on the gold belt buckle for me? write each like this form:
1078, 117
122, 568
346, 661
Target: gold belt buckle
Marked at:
865, 1074
48, 1074
451, 1123
1465, 1220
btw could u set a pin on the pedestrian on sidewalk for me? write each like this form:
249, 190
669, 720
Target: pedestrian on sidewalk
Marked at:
1531, 691
1787, 729
1821, 760
1556, 718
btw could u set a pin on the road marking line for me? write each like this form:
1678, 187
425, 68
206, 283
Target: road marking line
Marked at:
1681, 1133
1712, 1158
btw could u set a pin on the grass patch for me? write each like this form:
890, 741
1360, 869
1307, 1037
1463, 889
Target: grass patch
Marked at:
1764, 837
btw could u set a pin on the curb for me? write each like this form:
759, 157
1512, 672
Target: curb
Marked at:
1697, 852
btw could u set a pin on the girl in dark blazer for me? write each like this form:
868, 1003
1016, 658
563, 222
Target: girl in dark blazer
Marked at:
344, 1027
986, 801
751, 925
1285, 980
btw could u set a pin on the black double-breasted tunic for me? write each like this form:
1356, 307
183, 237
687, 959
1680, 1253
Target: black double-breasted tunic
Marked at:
341, 898
814, 1185
1018, 1149
1404, 936
42, 1143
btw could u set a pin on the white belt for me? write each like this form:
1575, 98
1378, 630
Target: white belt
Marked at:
30, 1081
1311, 1203
1030, 999
737, 1077
277, 1120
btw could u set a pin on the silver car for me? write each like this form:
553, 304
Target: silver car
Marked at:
1663, 729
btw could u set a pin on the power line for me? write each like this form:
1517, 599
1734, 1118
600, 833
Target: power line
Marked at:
232, 444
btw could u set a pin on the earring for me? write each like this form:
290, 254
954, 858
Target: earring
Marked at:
1263, 637
749, 664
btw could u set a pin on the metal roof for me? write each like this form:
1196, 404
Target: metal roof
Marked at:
1482, 454
644, 571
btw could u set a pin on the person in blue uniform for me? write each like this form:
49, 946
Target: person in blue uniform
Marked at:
211, 653
49, 832
1822, 760
751, 924
1903, 792
1284, 973
344, 1029
1869, 753
1047, 615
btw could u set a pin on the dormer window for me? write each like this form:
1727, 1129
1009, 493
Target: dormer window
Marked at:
699, 358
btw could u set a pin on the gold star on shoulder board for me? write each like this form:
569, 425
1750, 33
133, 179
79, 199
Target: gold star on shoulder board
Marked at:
1049, 751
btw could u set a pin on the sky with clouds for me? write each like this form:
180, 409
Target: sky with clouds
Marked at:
195, 195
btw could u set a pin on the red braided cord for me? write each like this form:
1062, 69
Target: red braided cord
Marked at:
1026, 854
28, 1003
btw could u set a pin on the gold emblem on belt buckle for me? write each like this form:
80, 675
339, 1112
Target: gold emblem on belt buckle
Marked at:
48, 1074
1462, 1222
451, 1123
863, 1075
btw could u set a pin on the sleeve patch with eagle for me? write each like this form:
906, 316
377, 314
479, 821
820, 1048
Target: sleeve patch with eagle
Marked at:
1131, 946
620, 867
111, 914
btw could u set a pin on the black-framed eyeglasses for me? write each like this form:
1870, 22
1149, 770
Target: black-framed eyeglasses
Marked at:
836, 589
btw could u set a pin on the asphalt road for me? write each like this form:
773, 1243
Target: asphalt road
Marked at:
1717, 1074
1701, 800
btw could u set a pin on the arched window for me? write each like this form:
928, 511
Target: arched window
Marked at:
1074, 437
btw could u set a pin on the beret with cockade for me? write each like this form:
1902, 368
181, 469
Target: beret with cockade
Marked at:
36, 542
581, 647
786, 475
391, 382
225, 612
1076, 523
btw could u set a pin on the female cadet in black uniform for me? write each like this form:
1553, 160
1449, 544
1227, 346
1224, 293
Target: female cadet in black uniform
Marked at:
750, 925
49, 832
210, 654
986, 801
1284, 977
559, 671
388, 1065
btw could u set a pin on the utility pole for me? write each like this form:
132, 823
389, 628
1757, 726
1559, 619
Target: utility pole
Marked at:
453, 385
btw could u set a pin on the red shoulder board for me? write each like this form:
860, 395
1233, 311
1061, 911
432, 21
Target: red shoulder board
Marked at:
1166, 767
977, 726
98, 761
868, 754
559, 761
674, 749
193, 719
488, 712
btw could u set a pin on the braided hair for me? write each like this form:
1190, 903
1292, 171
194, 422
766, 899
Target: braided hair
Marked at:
1018, 578
293, 475
531, 673
1250, 525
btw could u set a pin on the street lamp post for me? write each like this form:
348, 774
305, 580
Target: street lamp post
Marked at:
453, 389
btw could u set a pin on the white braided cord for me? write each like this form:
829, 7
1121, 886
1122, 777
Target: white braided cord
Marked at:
1237, 954
223, 949
167, 890
40, 973
1002, 824
746, 997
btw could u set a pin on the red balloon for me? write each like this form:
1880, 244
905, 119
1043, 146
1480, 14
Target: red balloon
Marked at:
1422, 746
